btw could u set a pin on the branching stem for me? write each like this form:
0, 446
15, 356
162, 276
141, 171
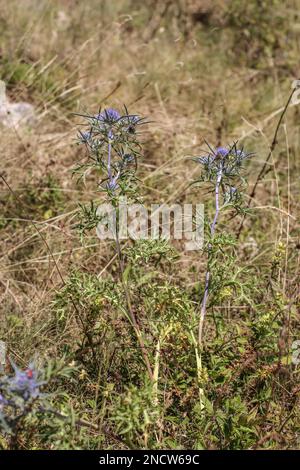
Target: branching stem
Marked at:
208, 273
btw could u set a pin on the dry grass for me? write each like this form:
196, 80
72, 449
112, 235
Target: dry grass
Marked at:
193, 81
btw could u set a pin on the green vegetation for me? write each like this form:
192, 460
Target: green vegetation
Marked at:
219, 72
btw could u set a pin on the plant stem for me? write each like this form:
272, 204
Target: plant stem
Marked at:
199, 368
198, 346
109, 161
163, 335
131, 314
207, 275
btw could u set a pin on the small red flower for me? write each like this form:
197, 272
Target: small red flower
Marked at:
29, 373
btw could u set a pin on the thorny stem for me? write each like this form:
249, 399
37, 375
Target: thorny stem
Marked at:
124, 283
109, 159
131, 314
198, 347
207, 275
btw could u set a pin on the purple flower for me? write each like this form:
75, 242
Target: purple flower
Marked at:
25, 383
109, 116
222, 151
229, 159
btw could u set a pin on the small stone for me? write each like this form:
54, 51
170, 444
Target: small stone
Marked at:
15, 115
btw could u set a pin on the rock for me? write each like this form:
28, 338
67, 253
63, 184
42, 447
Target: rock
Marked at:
15, 115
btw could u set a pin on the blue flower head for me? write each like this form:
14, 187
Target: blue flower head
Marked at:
230, 162
109, 116
25, 383
222, 151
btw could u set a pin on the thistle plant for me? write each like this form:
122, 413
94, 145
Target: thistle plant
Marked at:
18, 394
222, 169
112, 141
22, 397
